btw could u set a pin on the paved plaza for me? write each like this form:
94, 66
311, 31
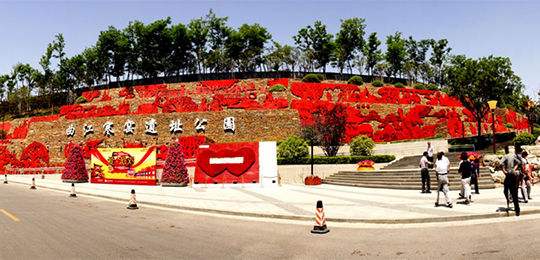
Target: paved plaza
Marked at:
342, 204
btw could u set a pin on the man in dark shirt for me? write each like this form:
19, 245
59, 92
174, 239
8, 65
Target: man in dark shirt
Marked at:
466, 170
510, 163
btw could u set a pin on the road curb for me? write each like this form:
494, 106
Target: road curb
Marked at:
306, 218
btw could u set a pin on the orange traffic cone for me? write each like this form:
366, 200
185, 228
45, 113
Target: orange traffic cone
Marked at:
5, 179
33, 187
133, 201
73, 194
320, 220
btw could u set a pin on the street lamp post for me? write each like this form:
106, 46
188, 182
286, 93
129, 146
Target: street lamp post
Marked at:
492, 106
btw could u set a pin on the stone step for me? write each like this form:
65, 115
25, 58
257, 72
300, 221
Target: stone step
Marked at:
398, 176
486, 179
391, 182
407, 171
401, 187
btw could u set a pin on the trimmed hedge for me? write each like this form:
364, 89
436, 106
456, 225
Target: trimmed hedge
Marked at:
277, 87
356, 80
336, 159
399, 85
523, 139
315, 78
80, 100
377, 83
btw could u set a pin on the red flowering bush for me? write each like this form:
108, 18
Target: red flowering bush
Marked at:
75, 168
34, 155
7, 158
175, 172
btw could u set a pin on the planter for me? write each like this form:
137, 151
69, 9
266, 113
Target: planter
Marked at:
171, 184
74, 181
365, 169
312, 180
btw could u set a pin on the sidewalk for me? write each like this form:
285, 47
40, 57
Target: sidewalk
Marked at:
297, 202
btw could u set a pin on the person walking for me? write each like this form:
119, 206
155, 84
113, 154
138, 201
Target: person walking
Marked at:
528, 169
522, 177
442, 166
509, 164
475, 176
430, 151
424, 173
465, 169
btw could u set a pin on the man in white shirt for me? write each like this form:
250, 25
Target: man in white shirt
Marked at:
424, 173
442, 167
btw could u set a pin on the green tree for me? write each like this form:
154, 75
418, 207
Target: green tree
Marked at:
416, 57
475, 82
372, 53
316, 44
198, 34
246, 46
395, 54
95, 66
113, 44
440, 54
180, 59
349, 42
218, 34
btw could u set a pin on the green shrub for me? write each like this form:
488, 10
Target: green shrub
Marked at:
398, 85
420, 86
377, 83
337, 159
508, 125
536, 131
523, 139
277, 87
313, 78
292, 148
361, 146
356, 80
432, 86
80, 100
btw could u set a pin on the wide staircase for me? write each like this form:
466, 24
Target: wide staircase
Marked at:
405, 174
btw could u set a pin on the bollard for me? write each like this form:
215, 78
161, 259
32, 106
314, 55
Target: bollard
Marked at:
320, 220
5, 179
33, 187
133, 201
73, 194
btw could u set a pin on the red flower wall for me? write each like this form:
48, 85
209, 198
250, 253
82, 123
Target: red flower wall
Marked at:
384, 114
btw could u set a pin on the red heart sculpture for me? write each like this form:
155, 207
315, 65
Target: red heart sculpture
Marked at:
236, 169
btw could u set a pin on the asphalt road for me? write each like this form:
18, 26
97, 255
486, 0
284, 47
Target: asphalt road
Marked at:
42, 224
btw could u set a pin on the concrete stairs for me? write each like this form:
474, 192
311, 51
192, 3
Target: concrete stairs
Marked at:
411, 162
407, 179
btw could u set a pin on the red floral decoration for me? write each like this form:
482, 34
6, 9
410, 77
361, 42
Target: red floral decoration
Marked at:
34, 155
91, 95
75, 168
7, 158
21, 131
149, 91
312, 180
175, 170
126, 93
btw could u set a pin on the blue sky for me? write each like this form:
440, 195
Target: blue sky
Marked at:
473, 28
